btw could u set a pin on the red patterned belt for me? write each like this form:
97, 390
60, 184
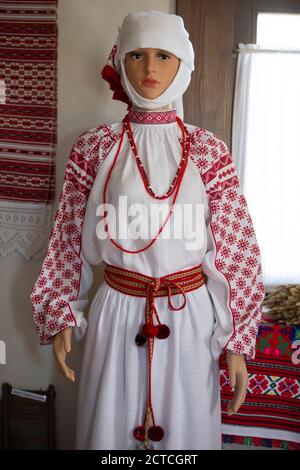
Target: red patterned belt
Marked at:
139, 285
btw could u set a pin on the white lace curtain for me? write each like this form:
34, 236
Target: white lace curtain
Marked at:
266, 151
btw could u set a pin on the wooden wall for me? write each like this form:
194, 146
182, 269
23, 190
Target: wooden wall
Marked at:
208, 100
216, 27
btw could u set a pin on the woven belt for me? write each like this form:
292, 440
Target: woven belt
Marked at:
139, 285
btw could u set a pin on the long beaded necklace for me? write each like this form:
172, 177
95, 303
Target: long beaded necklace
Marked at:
141, 167
174, 187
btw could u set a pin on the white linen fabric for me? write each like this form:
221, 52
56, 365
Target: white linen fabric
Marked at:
185, 376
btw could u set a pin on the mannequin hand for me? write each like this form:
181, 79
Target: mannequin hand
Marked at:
62, 346
238, 377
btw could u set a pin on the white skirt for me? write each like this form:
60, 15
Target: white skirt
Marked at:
114, 374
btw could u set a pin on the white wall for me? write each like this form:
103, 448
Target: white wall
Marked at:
87, 31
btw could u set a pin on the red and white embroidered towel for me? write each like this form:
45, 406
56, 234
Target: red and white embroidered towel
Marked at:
28, 119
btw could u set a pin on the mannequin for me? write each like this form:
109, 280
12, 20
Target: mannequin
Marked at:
150, 64
135, 58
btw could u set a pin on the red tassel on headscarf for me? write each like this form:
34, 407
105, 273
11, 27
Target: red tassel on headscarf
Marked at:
109, 74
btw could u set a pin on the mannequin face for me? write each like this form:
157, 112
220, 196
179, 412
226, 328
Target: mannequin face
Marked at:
151, 64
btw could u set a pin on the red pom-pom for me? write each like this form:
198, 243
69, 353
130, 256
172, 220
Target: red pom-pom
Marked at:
156, 433
150, 330
139, 433
163, 331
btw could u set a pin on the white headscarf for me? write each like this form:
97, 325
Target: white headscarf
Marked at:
151, 29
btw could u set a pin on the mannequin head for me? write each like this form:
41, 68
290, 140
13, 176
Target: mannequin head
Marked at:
153, 64
163, 52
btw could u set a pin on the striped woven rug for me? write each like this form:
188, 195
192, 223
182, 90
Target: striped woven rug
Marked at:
270, 415
28, 120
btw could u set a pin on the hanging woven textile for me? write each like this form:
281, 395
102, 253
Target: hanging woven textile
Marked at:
28, 117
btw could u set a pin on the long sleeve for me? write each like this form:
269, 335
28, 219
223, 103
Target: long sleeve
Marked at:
232, 262
60, 293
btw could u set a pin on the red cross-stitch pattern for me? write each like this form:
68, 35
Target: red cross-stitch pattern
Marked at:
158, 117
237, 255
59, 279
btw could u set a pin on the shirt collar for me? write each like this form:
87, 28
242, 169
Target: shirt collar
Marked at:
152, 117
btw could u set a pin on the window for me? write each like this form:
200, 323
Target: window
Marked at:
278, 29
266, 133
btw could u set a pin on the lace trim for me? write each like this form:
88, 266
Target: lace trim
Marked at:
152, 117
24, 229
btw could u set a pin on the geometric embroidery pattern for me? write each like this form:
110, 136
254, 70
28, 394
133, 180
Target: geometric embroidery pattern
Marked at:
28, 99
236, 252
272, 402
58, 283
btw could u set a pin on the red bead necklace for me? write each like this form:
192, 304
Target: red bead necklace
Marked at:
141, 167
175, 185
